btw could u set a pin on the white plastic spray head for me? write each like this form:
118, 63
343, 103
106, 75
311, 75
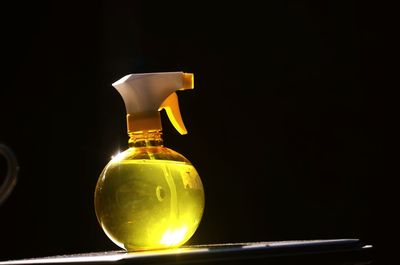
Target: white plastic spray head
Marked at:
146, 94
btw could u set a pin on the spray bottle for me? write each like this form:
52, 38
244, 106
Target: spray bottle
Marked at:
149, 196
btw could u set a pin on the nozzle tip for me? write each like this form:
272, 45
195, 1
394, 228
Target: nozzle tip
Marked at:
188, 80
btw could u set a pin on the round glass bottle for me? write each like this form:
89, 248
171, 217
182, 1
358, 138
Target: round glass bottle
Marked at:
149, 196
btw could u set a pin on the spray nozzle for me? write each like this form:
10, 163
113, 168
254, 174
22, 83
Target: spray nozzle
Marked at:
146, 94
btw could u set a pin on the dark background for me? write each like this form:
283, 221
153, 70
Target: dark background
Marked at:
285, 121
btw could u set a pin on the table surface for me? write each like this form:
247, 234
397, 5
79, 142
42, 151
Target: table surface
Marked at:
333, 251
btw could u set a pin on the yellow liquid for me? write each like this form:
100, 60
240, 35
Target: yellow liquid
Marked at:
145, 204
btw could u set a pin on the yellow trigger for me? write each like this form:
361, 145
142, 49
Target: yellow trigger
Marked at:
171, 106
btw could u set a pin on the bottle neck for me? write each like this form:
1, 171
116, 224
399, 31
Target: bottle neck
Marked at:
145, 138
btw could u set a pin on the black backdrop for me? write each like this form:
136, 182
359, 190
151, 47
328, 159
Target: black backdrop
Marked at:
284, 121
